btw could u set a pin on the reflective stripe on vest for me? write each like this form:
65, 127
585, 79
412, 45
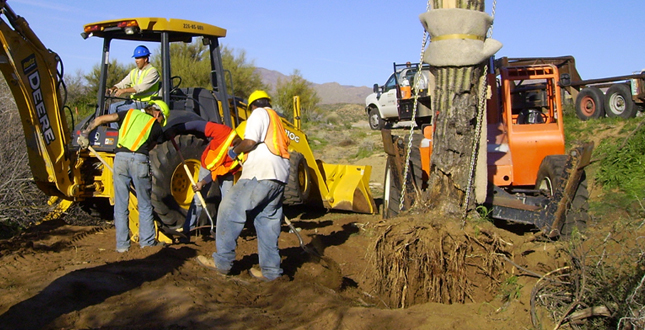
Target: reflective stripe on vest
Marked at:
214, 160
136, 78
135, 129
276, 139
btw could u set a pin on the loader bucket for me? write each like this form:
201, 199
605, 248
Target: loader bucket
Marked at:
349, 188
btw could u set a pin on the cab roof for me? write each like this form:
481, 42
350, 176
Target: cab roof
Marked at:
150, 28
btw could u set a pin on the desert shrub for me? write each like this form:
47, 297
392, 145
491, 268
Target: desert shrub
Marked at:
21, 202
621, 162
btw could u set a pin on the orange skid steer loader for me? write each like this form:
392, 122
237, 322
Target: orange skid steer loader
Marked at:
530, 178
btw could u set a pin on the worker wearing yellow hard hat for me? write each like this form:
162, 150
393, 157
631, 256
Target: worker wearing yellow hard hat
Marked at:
138, 132
258, 192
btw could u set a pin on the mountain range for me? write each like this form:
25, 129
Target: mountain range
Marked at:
329, 93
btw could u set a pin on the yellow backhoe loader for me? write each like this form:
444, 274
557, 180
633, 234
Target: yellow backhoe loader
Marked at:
35, 75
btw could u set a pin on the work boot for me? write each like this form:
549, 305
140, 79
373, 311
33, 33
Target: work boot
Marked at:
257, 274
210, 264
155, 244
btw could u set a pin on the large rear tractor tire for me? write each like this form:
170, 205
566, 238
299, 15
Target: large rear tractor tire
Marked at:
548, 177
618, 102
589, 104
298, 189
172, 193
393, 184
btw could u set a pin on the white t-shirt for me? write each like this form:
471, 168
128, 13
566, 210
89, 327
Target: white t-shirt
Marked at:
261, 163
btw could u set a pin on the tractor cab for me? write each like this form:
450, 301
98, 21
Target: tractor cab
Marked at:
192, 100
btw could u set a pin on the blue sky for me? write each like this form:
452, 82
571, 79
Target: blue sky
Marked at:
356, 42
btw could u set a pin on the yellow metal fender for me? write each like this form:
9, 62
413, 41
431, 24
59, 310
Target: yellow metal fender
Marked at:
349, 188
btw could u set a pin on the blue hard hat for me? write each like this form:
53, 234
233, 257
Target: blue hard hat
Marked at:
141, 51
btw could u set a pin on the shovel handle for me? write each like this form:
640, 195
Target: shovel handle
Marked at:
100, 158
193, 183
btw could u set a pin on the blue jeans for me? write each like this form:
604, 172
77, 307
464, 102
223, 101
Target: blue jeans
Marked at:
195, 209
125, 106
132, 168
262, 201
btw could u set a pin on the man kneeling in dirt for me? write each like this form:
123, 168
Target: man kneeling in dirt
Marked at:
258, 193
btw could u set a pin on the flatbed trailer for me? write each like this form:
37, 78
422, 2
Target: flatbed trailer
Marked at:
618, 96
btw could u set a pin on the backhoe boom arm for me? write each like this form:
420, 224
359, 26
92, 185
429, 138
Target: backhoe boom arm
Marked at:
30, 70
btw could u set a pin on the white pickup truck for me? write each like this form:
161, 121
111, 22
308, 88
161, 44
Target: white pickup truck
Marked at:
394, 101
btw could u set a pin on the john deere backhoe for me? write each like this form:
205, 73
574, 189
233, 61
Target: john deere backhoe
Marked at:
35, 75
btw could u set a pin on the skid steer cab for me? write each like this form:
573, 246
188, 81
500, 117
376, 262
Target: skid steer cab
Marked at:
531, 180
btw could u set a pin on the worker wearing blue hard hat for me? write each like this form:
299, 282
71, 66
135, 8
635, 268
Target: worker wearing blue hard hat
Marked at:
142, 83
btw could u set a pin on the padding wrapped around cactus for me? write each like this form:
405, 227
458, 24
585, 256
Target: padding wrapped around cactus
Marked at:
458, 37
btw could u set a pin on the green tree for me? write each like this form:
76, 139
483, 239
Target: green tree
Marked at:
79, 97
116, 72
191, 62
245, 78
294, 85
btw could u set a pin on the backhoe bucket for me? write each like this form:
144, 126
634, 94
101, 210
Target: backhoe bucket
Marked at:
349, 188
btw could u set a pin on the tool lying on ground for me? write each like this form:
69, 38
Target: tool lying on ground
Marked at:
333, 276
193, 183
302, 243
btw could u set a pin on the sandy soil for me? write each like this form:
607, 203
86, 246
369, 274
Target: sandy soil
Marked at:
61, 276
58, 276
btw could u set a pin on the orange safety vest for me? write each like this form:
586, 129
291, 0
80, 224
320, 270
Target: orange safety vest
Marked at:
135, 129
276, 139
217, 160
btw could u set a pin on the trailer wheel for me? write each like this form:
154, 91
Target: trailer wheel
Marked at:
549, 176
375, 120
393, 181
618, 102
172, 193
589, 103
298, 189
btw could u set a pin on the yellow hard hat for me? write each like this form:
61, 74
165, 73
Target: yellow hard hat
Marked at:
163, 107
240, 129
256, 95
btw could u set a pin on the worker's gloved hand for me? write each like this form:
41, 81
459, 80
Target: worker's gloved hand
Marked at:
83, 140
232, 153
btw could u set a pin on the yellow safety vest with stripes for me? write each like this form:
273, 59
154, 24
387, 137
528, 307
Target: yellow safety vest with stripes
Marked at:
136, 78
135, 129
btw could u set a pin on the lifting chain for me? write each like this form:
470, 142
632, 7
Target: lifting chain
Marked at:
414, 114
481, 110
